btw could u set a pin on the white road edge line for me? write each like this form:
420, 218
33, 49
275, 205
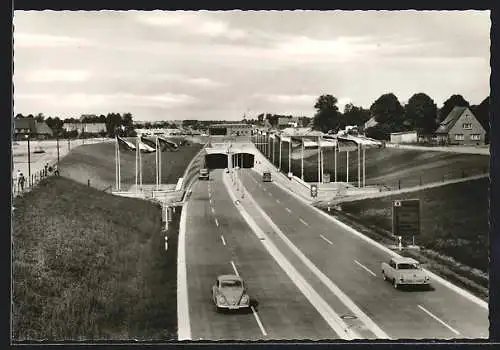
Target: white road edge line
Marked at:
223, 240
234, 268
257, 318
391, 253
184, 325
288, 210
365, 268
302, 221
369, 323
439, 320
323, 308
326, 239
217, 222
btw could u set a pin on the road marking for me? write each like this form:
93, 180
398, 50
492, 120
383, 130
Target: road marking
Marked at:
288, 210
210, 200
184, 325
326, 239
234, 268
302, 221
213, 210
223, 240
217, 222
481, 303
257, 318
264, 189
365, 268
439, 320
324, 309
277, 200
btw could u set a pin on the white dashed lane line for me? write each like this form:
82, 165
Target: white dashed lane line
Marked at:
365, 268
277, 200
326, 239
234, 268
217, 222
288, 210
302, 221
223, 240
213, 210
438, 319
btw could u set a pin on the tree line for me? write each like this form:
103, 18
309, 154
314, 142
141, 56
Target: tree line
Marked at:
419, 114
116, 124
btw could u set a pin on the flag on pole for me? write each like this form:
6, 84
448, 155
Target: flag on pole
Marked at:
125, 144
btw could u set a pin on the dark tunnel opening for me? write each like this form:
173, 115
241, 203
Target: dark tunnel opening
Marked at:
220, 161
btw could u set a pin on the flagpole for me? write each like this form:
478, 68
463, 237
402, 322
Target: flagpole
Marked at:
116, 162
280, 154
136, 163
347, 163
302, 158
140, 165
364, 166
156, 161
290, 154
159, 161
335, 148
319, 162
359, 165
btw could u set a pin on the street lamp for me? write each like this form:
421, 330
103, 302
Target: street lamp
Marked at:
57, 139
27, 136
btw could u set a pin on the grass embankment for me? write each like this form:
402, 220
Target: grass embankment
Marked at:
89, 265
97, 164
391, 167
454, 227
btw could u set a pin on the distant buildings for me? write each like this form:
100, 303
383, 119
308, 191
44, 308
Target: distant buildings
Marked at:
229, 129
87, 128
404, 137
29, 126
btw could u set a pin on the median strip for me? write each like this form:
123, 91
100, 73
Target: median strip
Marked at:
323, 308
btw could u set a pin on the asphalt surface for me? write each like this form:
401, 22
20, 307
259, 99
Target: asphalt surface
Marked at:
354, 266
216, 238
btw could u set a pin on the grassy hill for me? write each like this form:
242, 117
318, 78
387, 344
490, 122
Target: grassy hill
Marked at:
392, 167
90, 265
97, 163
454, 219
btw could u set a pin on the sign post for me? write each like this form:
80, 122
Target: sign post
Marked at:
406, 219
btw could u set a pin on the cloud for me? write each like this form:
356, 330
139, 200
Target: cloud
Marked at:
53, 75
45, 40
300, 99
194, 22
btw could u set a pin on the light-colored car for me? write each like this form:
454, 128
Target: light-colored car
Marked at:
229, 292
204, 174
404, 271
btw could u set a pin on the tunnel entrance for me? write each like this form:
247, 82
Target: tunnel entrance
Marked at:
220, 160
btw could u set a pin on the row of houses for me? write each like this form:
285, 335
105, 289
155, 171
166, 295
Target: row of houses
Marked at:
40, 130
460, 127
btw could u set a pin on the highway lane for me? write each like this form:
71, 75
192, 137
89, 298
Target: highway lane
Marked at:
218, 240
354, 265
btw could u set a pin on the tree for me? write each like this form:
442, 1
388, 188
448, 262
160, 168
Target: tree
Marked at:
127, 119
387, 110
453, 101
304, 121
113, 121
354, 115
420, 114
482, 113
379, 132
327, 115
40, 117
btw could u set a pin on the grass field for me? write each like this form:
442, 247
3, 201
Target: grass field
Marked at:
89, 265
391, 167
97, 164
454, 219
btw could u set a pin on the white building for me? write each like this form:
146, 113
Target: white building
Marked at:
404, 137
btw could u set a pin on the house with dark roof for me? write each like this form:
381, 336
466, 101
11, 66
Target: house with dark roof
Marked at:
460, 127
29, 126
287, 122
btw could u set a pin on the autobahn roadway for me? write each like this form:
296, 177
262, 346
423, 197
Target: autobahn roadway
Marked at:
353, 264
219, 241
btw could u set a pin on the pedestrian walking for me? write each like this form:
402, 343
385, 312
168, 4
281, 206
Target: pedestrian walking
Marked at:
56, 170
45, 169
21, 182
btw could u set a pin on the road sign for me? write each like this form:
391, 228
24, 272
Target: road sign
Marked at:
314, 191
406, 217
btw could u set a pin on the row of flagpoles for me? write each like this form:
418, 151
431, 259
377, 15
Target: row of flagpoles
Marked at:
139, 145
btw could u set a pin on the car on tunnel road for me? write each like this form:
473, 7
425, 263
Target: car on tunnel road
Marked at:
229, 293
204, 175
404, 271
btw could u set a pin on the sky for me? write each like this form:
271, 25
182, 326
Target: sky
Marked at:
171, 65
